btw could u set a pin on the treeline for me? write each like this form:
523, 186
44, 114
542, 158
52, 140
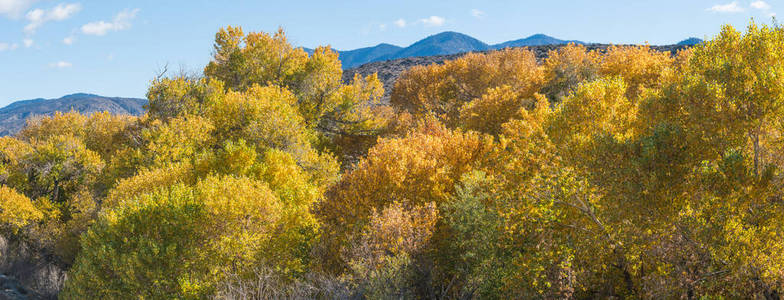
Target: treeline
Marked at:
626, 173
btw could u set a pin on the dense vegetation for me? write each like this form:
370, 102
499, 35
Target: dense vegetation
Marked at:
628, 173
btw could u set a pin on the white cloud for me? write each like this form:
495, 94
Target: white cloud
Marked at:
477, 13
14, 8
761, 5
61, 65
27, 43
69, 40
732, 7
38, 17
433, 21
400, 23
7, 47
121, 21
382, 27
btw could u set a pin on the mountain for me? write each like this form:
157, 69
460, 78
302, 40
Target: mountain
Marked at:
444, 43
353, 58
534, 40
448, 43
690, 41
389, 70
13, 117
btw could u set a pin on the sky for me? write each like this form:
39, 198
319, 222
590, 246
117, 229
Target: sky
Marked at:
51, 48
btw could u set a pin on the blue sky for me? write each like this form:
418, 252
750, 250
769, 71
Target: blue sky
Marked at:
50, 48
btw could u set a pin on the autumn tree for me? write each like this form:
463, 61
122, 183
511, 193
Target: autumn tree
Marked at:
178, 241
342, 113
565, 68
444, 89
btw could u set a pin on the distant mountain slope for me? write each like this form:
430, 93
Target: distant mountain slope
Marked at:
534, 40
690, 41
13, 117
448, 43
354, 58
388, 71
444, 43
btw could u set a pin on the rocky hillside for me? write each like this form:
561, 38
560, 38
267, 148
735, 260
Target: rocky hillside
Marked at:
13, 117
388, 71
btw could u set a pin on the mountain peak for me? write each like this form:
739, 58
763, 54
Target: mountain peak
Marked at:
79, 95
538, 39
690, 41
539, 36
447, 42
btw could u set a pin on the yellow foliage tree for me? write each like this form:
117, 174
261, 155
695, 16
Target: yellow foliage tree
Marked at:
444, 89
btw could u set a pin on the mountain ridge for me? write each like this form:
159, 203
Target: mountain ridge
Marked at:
448, 43
443, 43
690, 41
13, 117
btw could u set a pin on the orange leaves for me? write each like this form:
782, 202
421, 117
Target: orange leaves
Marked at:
443, 89
499, 105
420, 168
395, 230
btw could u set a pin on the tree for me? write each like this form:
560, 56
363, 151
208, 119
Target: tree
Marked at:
179, 241
16, 210
639, 66
567, 67
498, 106
443, 89
421, 168
335, 110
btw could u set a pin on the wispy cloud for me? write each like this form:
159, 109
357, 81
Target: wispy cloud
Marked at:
477, 13
27, 43
69, 40
732, 7
7, 46
400, 23
61, 65
433, 21
14, 8
761, 5
38, 17
121, 21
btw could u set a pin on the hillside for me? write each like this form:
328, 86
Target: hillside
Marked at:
14, 116
353, 58
389, 71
